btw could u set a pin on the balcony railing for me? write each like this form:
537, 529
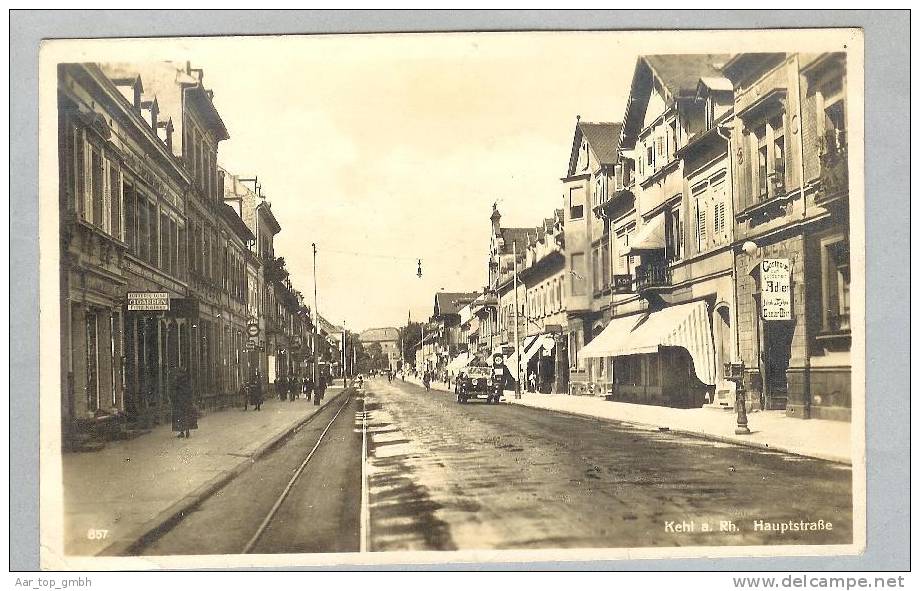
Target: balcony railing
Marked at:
835, 174
653, 274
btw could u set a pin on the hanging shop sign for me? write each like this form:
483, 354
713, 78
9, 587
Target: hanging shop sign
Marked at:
148, 300
775, 292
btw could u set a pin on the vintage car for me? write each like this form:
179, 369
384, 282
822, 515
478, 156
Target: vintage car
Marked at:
475, 382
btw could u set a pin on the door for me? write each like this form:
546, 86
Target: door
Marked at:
777, 349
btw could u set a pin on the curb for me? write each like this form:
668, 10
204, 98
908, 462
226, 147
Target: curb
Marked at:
697, 434
144, 534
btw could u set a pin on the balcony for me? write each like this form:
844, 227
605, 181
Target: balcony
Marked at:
653, 275
835, 175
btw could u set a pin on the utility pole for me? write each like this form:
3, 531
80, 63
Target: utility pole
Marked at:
517, 341
315, 323
344, 356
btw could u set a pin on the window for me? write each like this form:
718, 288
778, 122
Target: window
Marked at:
143, 232
576, 202
164, 243
835, 262
702, 199
672, 139
130, 201
115, 197
97, 181
605, 260
92, 361
650, 157
673, 233
80, 180
154, 235
769, 145
596, 267
760, 136
835, 121
182, 253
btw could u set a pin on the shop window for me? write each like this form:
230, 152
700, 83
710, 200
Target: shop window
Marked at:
835, 262
652, 370
92, 361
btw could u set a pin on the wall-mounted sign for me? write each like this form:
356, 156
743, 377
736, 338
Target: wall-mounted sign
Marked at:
148, 300
775, 293
622, 282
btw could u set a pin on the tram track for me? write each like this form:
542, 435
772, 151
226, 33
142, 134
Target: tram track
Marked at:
306, 496
287, 489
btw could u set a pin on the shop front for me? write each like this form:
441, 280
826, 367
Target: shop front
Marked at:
664, 357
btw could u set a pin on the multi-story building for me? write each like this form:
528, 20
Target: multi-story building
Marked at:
792, 259
544, 351
217, 242
388, 339
507, 252
658, 346
124, 312
589, 178
273, 345
446, 319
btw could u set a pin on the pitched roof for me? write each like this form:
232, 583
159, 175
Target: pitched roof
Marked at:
677, 75
520, 235
450, 302
604, 139
376, 335
680, 74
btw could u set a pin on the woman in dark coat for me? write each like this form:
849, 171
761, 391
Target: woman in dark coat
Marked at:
320, 390
255, 392
184, 415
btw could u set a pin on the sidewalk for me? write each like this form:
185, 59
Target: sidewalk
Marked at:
132, 487
773, 430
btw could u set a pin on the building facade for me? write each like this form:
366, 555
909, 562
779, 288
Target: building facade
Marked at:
792, 231
388, 339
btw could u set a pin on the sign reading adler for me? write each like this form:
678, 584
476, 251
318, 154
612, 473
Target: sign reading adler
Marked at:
148, 300
775, 294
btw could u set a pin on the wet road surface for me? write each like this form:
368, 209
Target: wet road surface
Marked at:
445, 476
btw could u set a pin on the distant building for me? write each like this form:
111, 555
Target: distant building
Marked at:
389, 340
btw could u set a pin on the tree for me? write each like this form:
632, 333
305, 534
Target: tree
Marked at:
411, 339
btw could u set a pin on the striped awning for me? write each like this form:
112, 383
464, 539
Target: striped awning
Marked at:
684, 325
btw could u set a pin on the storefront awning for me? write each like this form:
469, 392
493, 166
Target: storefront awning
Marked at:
649, 237
684, 325
532, 346
459, 362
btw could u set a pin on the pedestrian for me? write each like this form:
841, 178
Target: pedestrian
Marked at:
307, 387
293, 388
255, 391
244, 394
533, 381
426, 380
184, 415
320, 390
280, 388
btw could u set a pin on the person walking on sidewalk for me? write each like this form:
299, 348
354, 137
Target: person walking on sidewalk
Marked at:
184, 415
244, 393
255, 391
320, 390
293, 389
307, 387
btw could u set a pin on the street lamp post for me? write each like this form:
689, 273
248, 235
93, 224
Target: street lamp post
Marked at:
315, 323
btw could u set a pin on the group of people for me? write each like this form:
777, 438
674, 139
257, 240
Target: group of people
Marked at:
185, 413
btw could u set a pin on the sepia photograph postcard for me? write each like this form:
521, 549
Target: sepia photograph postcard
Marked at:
451, 298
